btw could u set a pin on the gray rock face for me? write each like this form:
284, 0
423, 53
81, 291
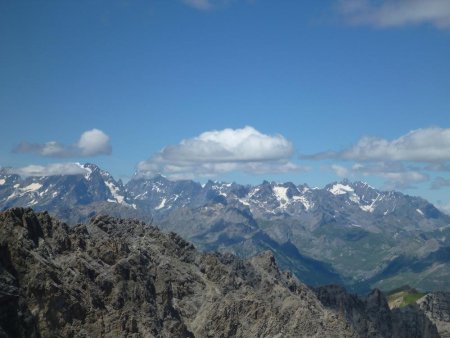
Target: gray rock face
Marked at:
372, 317
436, 306
354, 310
410, 322
114, 277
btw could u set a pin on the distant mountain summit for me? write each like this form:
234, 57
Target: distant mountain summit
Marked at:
347, 232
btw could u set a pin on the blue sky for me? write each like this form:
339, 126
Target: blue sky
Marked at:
302, 91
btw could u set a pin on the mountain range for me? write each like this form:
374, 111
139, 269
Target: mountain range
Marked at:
347, 233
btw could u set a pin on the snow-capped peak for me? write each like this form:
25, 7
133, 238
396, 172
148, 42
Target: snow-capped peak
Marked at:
340, 189
281, 194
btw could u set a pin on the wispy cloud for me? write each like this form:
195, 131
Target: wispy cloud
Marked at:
340, 170
445, 208
395, 174
440, 182
401, 162
422, 145
49, 170
392, 13
202, 5
93, 142
207, 5
221, 151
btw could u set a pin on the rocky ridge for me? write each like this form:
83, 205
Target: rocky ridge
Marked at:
436, 305
113, 277
371, 317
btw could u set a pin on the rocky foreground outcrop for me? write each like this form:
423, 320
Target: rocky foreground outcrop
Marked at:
123, 278
371, 317
436, 305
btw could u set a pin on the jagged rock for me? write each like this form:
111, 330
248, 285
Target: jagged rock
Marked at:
436, 306
113, 277
410, 322
373, 318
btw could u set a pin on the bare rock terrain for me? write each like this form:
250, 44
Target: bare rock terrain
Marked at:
436, 305
124, 278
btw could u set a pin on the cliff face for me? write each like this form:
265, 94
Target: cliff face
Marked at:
436, 306
371, 317
114, 277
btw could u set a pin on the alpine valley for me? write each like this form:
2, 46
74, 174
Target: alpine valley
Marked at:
346, 233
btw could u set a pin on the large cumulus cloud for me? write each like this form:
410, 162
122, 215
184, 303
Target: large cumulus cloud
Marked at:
221, 151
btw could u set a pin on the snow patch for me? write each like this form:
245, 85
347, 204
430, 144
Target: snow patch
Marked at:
371, 207
354, 198
340, 189
32, 187
115, 192
33, 202
42, 193
253, 192
156, 188
2, 181
367, 208
88, 173
306, 203
244, 202
161, 205
14, 194
280, 194
420, 212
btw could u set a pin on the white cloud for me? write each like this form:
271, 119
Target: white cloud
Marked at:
221, 151
391, 13
421, 145
404, 180
445, 208
91, 143
340, 170
94, 142
49, 170
395, 174
431, 145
